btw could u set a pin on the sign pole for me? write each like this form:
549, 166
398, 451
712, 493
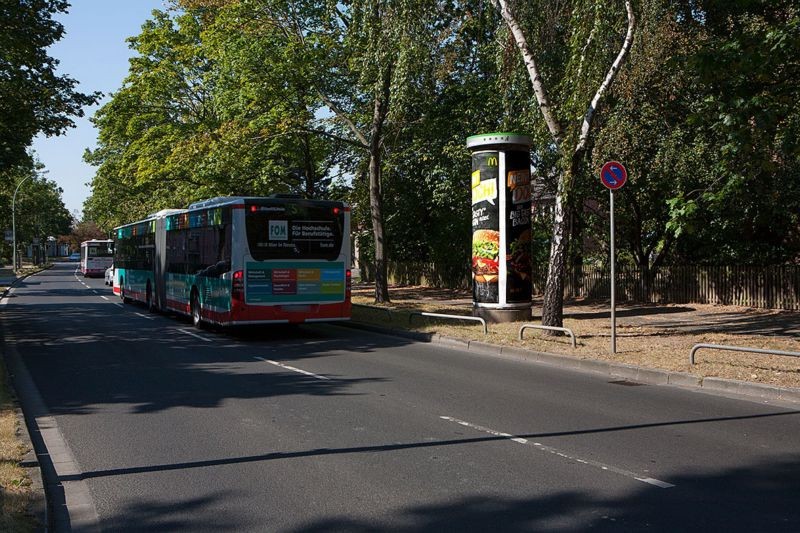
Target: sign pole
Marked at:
613, 175
613, 279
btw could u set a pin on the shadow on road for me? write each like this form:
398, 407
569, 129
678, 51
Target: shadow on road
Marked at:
82, 352
750, 498
274, 456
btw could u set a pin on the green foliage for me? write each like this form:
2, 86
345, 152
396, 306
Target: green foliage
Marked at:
261, 96
39, 210
703, 118
33, 98
208, 109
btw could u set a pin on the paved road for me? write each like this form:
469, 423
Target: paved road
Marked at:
328, 428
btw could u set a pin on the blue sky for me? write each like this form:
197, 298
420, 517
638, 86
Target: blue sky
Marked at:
94, 52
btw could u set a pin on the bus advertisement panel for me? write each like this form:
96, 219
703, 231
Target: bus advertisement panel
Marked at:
237, 260
96, 257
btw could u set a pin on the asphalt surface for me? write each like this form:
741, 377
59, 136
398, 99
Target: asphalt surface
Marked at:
324, 428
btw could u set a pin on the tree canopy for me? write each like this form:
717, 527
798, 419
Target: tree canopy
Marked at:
34, 98
372, 100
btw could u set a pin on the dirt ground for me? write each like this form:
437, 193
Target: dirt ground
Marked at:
648, 335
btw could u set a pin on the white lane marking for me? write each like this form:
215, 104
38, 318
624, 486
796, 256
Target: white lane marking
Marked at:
118, 304
293, 369
193, 334
4, 301
555, 451
144, 316
656, 482
485, 430
104, 298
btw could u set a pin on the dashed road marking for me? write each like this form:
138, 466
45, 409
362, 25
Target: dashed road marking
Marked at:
293, 369
555, 451
193, 334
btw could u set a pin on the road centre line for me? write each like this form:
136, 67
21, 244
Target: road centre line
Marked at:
293, 369
555, 451
144, 316
192, 333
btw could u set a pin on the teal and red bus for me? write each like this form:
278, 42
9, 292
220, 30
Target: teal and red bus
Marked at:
240, 260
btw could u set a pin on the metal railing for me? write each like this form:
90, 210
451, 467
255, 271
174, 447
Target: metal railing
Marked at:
548, 328
738, 349
376, 308
452, 317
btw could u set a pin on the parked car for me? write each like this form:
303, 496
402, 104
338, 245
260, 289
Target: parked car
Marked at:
74, 256
109, 277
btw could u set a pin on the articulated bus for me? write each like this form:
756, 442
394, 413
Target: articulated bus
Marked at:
96, 257
240, 260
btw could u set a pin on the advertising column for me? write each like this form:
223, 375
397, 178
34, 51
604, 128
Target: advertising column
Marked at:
501, 226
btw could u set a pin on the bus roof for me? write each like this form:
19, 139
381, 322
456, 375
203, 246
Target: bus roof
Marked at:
152, 216
228, 200
163, 213
96, 241
223, 201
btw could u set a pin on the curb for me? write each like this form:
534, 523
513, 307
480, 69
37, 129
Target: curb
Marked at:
649, 376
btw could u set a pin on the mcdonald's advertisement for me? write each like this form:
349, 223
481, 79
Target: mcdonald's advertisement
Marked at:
518, 227
496, 229
485, 227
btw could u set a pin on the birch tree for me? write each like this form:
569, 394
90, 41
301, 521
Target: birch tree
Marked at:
570, 137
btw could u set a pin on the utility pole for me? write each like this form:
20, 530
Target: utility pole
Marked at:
14, 220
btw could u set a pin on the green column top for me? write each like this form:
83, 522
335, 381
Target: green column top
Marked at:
498, 138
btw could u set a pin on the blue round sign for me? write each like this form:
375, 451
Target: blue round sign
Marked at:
613, 175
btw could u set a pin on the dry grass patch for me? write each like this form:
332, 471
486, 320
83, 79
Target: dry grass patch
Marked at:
16, 493
647, 335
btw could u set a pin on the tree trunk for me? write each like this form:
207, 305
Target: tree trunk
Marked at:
553, 312
376, 214
380, 111
553, 304
576, 251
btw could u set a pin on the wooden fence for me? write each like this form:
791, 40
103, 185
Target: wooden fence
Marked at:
771, 287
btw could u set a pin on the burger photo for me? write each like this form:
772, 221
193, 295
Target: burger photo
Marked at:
485, 252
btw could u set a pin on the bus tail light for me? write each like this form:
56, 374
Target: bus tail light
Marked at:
348, 277
237, 287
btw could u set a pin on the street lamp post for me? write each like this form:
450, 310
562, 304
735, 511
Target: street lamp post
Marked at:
14, 221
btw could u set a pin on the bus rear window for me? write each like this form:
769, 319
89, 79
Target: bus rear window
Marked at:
99, 251
294, 230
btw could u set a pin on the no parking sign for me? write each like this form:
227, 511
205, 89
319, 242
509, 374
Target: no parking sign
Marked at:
613, 175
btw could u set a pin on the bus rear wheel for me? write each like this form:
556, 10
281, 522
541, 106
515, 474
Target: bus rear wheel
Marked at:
197, 318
